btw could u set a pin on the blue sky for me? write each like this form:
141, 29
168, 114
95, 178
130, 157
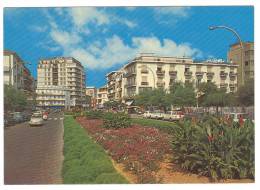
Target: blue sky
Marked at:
104, 38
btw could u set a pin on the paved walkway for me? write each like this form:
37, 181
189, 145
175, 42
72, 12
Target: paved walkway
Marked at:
34, 155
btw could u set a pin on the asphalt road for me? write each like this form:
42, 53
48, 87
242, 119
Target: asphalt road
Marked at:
34, 155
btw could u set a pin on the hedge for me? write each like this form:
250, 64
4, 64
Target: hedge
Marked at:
85, 162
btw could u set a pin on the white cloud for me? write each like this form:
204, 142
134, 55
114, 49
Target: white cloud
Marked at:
39, 28
64, 39
84, 15
175, 11
115, 52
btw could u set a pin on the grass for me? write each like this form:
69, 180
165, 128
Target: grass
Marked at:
85, 162
165, 126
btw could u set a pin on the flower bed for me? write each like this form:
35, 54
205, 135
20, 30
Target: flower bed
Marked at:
139, 148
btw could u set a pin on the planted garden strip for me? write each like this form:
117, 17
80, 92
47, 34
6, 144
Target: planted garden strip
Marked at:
139, 148
165, 126
85, 162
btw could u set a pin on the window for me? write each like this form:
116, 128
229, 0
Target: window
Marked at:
246, 63
187, 69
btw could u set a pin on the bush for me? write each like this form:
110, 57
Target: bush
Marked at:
215, 149
94, 114
84, 160
116, 120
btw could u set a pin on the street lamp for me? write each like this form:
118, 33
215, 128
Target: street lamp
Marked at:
151, 72
241, 46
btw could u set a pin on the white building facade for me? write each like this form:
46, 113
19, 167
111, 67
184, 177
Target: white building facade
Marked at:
60, 83
148, 72
102, 96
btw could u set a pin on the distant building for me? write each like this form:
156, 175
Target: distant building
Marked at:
115, 85
60, 83
102, 96
92, 93
16, 73
149, 71
234, 56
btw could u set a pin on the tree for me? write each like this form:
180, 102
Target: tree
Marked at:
181, 95
14, 99
152, 98
246, 93
111, 104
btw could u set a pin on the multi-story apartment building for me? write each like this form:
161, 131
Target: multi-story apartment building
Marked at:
61, 83
115, 85
102, 96
91, 91
15, 72
148, 72
234, 56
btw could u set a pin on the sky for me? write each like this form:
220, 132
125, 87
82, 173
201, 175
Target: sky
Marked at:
103, 39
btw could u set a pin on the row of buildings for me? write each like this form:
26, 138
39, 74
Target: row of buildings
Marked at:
149, 71
61, 80
17, 74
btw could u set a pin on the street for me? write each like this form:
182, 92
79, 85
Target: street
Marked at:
34, 155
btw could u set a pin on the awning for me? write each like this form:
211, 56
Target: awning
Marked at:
129, 102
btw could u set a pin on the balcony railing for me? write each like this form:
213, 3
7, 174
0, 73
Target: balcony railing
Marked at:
160, 72
173, 73
144, 83
223, 85
144, 71
128, 85
223, 74
232, 74
232, 85
160, 84
128, 74
188, 74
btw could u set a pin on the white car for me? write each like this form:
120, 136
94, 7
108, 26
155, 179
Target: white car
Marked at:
236, 116
36, 119
157, 114
173, 115
147, 114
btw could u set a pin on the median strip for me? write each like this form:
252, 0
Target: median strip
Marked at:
85, 162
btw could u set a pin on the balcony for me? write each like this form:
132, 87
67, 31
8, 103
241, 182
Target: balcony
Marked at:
223, 74
144, 71
210, 74
232, 85
160, 73
130, 85
160, 84
223, 85
172, 73
199, 74
144, 83
188, 74
232, 75
128, 74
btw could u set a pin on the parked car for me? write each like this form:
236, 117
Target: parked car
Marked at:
147, 114
18, 117
158, 114
236, 116
36, 119
173, 115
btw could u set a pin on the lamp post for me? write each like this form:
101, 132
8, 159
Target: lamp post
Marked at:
151, 72
241, 46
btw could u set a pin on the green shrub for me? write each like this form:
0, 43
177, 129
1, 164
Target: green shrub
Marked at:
94, 114
116, 120
84, 160
214, 149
